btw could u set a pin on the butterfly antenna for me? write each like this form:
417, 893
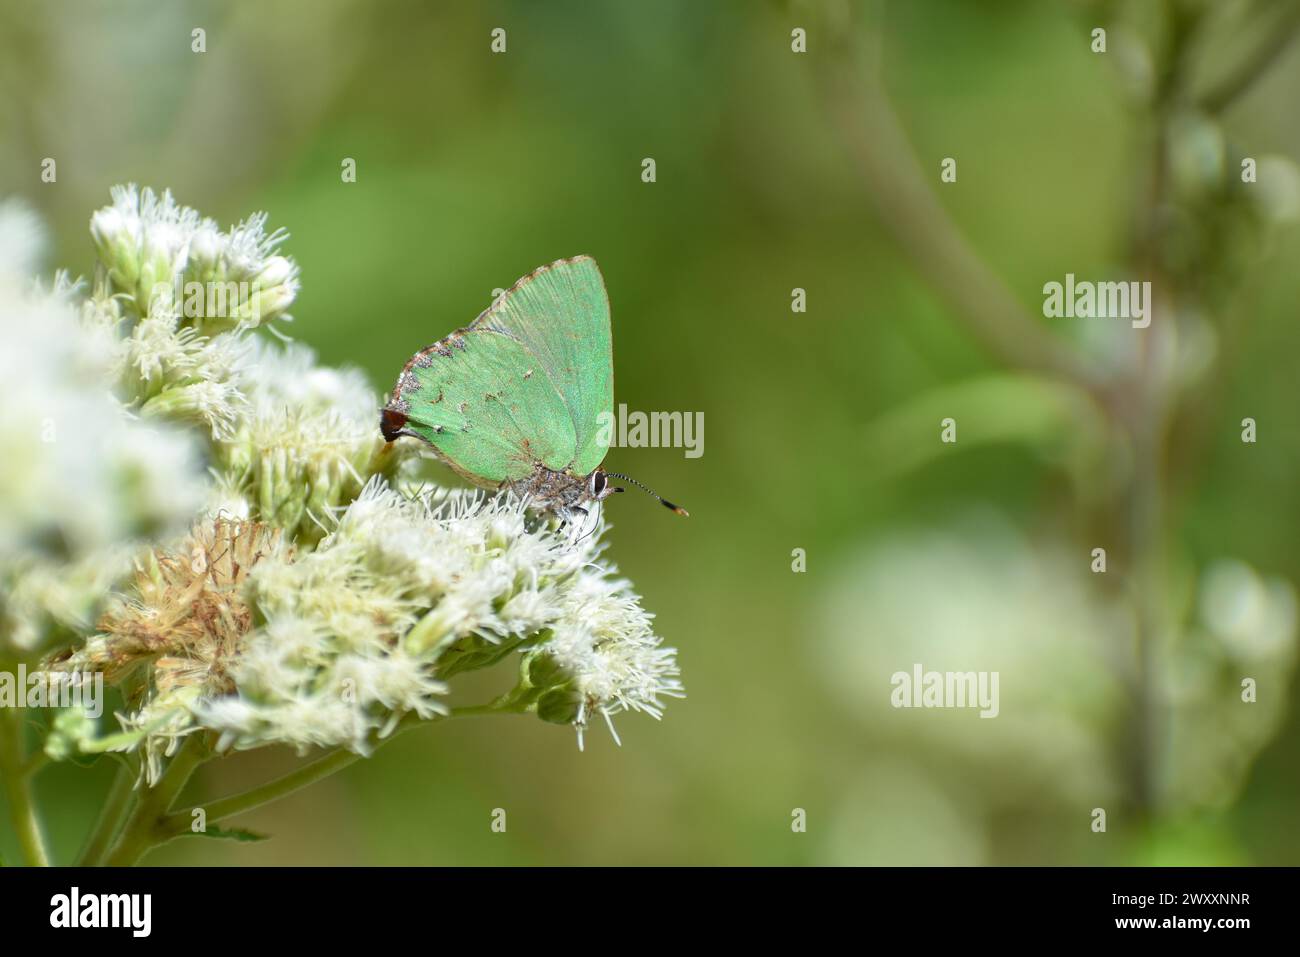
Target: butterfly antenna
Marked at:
662, 501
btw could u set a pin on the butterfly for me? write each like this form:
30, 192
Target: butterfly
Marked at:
520, 398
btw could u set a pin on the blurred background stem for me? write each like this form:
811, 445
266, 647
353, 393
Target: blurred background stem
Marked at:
902, 195
18, 791
1140, 405
116, 802
1278, 25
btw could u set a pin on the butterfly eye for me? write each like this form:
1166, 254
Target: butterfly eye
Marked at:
597, 483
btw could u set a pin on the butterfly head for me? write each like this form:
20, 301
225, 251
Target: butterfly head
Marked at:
582, 507
600, 488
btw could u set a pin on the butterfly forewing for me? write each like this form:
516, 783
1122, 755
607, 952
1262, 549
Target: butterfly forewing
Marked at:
560, 313
481, 399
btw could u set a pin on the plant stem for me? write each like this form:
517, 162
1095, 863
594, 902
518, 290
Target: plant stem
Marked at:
333, 761
1276, 37
35, 762
861, 112
144, 829
110, 817
18, 791
336, 760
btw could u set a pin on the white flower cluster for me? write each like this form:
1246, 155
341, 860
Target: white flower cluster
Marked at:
319, 597
305, 442
179, 282
291, 440
410, 589
148, 241
81, 477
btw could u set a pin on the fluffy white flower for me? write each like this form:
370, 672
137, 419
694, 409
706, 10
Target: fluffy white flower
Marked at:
150, 245
22, 240
81, 476
307, 440
406, 592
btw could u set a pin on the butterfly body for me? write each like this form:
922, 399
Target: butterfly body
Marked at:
517, 399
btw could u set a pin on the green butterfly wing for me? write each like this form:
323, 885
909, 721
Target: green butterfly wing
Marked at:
525, 382
560, 313
480, 399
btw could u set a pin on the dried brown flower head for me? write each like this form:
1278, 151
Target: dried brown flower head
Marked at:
187, 615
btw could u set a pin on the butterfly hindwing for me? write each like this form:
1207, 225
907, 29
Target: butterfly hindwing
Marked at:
482, 399
560, 313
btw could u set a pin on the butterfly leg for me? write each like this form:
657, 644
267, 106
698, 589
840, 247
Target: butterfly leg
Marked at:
574, 519
590, 522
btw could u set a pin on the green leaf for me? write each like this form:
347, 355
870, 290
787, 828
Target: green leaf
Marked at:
1060, 422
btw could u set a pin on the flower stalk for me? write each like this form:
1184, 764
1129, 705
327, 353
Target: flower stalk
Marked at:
18, 788
119, 799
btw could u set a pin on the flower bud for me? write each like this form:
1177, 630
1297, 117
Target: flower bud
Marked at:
277, 271
560, 705
274, 289
206, 248
115, 233
70, 731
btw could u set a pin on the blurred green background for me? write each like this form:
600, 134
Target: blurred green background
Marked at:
821, 428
